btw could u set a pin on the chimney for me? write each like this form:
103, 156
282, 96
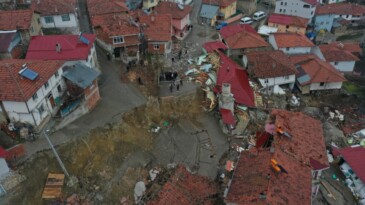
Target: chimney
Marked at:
58, 48
153, 18
120, 23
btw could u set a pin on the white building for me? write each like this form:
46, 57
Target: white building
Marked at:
291, 43
301, 8
58, 14
32, 89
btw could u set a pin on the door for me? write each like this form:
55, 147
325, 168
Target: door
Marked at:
51, 100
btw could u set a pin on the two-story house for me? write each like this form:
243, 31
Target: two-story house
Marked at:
26, 22
30, 89
119, 35
181, 22
315, 74
291, 43
336, 54
287, 23
157, 30
326, 14
61, 14
226, 8
270, 68
70, 48
301, 8
242, 38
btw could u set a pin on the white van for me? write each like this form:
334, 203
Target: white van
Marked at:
246, 20
258, 15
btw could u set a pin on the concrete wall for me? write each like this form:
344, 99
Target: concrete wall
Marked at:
92, 95
295, 8
296, 50
164, 47
58, 23
324, 22
344, 66
326, 86
282, 80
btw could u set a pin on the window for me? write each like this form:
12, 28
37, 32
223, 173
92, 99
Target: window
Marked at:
35, 96
321, 84
287, 49
312, 13
336, 63
32, 29
266, 81
39, 21
286, 77
59, 88
41, 109
280, 10
156, 47
347, 16
281, 3
284, 10
285, 3
48, 19
327, 23
56, 74
46, 85
306, 6
118, 39
287, 27
322, 23
152, 1
65, 17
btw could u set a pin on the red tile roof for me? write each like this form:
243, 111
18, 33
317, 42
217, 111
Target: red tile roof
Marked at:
354, 156
167, 7
44, 47
288, 20
16, 88
108, 25
353, 47
269, 64
54, 7
341, 9
290, 40
311, 2
318, 70
15, 20
230, 72
231, 30
97, 7
336, 52
214, 45
253, 176
220, 3
307, 140
184, 188
157, 27
242, 36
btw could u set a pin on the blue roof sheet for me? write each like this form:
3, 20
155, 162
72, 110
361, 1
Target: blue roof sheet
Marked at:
81, 75
208, 11
303, 79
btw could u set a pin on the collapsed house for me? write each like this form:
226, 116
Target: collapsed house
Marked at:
285, 165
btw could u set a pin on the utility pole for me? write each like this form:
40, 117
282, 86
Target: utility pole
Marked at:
56, 154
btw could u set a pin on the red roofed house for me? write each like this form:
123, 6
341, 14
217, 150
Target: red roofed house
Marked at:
353, 167
348, 11
180, 17
336, 54
289, 172
226, 7
64, 47
158, 32
119, 35
30, 89
214, 46
315, 74
26, 22
242, 38
286, 23
97, 7
291, 43
184, 188
60, 14
270, 68
230, 72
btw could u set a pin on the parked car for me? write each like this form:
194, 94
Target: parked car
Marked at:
246, 20
259, 15
221, 25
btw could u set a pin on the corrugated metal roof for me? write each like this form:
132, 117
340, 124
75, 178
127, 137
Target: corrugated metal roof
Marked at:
208, 11
81, 75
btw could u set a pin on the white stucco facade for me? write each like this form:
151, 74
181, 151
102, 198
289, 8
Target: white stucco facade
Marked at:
282, 80
36, 109
296, 50
334, 1
59, 21
295, 8
344, 66
325, 86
